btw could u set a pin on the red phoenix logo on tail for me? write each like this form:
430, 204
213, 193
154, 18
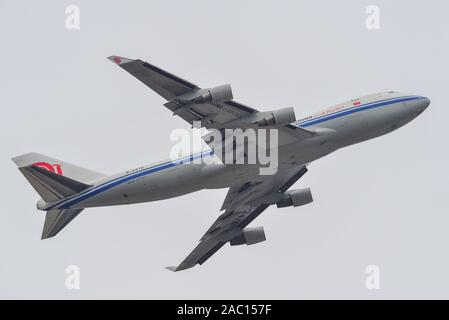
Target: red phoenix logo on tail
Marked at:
55, 167
117, 60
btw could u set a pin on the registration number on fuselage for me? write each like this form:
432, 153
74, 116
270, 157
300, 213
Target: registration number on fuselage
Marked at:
135, 170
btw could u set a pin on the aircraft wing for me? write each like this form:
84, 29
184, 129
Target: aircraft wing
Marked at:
170, 87
242, 205
181, 96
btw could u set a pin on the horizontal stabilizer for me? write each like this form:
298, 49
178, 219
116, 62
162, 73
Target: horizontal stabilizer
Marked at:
56, 220
50, 185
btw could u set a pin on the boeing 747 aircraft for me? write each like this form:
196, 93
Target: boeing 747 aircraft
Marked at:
66, 189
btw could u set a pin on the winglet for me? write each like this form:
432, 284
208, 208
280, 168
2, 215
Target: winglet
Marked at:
172, 268
120, 60
182, 266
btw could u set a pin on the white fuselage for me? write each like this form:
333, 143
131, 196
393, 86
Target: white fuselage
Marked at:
337, 127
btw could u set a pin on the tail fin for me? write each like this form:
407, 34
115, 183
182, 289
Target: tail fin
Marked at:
51, 186
53, 180
60, 167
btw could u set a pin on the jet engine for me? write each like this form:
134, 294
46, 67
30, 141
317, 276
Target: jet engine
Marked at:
295, 198
249, 236
214, 95
278, 118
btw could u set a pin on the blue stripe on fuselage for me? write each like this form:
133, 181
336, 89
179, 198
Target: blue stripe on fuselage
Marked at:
122, 179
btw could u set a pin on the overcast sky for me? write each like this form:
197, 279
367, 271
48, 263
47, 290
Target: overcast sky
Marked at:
382, 202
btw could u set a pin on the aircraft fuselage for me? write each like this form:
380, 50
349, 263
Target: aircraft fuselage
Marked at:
337, 127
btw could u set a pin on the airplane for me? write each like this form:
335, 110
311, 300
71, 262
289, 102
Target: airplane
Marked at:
66, 189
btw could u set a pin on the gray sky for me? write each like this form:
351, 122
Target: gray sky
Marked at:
382, 202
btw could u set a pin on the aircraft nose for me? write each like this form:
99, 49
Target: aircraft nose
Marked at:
424, 103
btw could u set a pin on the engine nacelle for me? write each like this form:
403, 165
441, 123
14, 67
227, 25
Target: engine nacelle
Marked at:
214, 95
295, 198
249, 236
278, 118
